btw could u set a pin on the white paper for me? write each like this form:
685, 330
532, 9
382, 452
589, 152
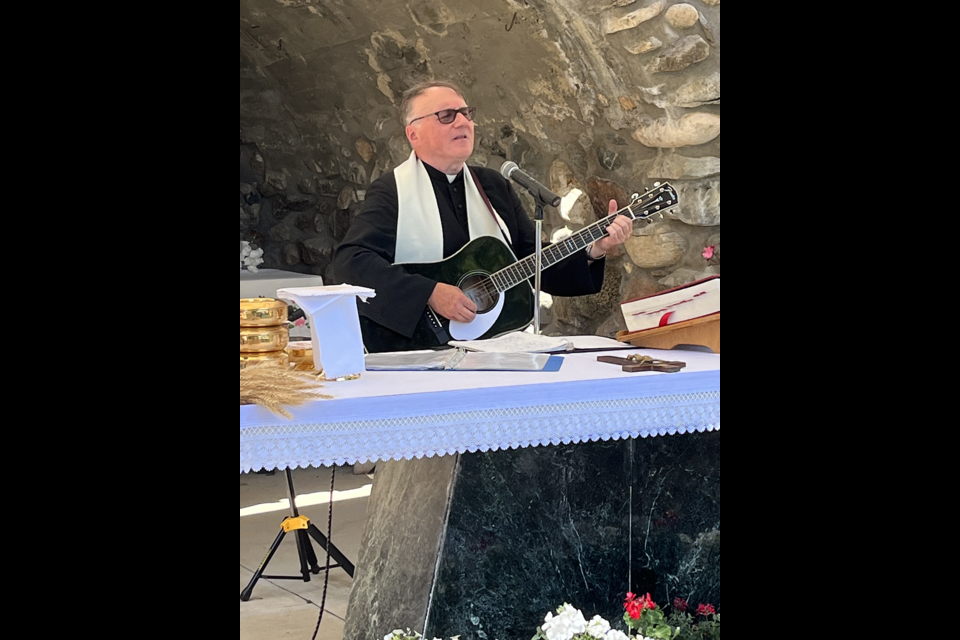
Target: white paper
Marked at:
525, 342
517, 342
597, 342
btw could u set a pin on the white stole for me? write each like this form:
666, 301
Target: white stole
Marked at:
419, 230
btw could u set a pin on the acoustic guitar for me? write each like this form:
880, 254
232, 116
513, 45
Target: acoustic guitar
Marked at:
488, 273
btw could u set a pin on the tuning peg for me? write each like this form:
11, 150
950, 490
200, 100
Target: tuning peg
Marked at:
656, 184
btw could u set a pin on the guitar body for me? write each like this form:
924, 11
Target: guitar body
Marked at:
480, 258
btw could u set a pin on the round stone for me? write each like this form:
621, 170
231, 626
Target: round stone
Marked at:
683, 16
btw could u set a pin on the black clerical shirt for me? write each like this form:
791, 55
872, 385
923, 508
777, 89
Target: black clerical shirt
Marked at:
453, 194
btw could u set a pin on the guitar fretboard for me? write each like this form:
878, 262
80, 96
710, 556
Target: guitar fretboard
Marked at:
649, 204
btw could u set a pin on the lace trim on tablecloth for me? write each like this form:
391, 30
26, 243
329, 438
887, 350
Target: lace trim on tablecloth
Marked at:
319, 445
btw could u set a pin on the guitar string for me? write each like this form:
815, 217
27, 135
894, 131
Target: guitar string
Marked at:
526, 268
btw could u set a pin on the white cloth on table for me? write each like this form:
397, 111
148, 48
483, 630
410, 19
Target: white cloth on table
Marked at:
407, 415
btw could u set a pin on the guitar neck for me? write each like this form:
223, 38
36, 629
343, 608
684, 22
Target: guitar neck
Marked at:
525, 269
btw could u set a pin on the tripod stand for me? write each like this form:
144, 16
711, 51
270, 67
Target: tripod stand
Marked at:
304, 530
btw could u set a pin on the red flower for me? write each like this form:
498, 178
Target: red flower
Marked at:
681, 605
706, 610
636, 606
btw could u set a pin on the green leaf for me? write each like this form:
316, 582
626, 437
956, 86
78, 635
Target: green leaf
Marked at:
660, 632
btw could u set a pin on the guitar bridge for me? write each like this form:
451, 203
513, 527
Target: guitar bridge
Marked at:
436, 324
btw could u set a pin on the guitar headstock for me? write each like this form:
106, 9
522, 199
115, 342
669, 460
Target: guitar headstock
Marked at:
655, 202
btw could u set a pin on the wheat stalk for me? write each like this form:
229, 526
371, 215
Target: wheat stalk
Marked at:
272, 388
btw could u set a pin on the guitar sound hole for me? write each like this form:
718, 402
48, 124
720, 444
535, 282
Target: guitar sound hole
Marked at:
481, 290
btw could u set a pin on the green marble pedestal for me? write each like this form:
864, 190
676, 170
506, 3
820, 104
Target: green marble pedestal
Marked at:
484, 545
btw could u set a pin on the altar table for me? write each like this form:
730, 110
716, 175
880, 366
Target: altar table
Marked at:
407, 415
499, 496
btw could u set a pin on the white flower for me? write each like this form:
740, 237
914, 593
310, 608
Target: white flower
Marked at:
249, 257
598, 627
565, 626
618, 635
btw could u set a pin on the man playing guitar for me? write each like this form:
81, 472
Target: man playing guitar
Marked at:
429, 209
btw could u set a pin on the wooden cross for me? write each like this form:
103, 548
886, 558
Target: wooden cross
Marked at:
636, 363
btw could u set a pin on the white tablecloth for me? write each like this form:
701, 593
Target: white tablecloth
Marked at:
406, 415
266, 282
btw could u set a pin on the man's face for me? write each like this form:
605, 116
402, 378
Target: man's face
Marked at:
443, 146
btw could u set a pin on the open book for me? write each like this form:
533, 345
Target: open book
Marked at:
522, 342
695, 300
460, 360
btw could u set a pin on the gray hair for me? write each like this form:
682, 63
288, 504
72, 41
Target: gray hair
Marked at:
418, 90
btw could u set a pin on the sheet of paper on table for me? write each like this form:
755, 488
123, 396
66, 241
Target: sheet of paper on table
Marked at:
522, 342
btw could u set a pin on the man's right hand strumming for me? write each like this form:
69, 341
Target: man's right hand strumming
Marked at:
451, 303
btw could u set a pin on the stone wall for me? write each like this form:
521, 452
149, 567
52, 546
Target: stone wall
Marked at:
604, 96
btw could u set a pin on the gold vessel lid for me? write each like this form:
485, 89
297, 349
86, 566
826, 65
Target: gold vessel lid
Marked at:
261, 303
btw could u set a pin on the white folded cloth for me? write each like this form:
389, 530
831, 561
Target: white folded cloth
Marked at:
334, 326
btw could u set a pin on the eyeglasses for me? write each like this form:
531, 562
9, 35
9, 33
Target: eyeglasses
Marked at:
447, 116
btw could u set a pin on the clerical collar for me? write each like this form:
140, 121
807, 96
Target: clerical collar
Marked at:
436, 174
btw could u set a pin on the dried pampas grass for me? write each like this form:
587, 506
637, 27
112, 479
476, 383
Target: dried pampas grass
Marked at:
272, 388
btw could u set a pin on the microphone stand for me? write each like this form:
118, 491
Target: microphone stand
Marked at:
543, 197
536, 305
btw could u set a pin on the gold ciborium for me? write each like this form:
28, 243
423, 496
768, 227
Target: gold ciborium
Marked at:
301, 355
262, 312
263, 339
278, 359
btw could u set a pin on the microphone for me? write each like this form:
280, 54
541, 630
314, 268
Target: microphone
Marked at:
511, 171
